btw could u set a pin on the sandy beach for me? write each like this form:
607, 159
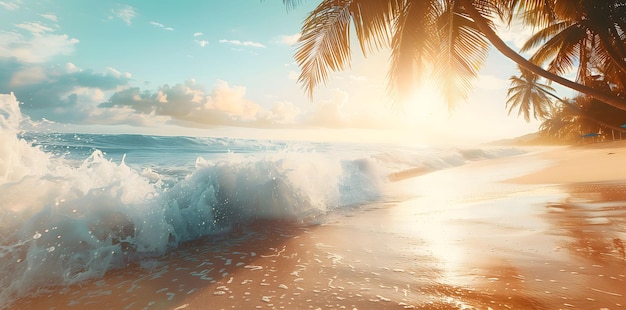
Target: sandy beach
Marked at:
543, 230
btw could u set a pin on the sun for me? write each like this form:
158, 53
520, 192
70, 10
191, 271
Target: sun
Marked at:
426, 106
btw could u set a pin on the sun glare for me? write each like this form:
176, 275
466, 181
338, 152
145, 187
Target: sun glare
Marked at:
426, 107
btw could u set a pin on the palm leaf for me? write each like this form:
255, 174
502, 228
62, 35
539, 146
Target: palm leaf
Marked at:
373, 20
412, 44
536, 13
462, 52
562, 49
527, 93
325, 43
543, 35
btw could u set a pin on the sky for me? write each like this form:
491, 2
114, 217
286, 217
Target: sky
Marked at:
222, 68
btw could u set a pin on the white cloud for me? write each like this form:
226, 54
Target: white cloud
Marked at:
517, 33
125, 13
40, 47
243, 43
197, 34
329, 113
161, 26
115, 73
284, 113
202, 43
72, 68
9, 6
34, 28
290, 39
50, 16
191, 105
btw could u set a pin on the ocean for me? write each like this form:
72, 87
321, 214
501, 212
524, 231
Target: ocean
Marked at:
75, 206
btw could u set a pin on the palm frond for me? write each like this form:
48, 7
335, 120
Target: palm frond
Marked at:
325, 43
544, 35
291, 4
528, 94
462, 52
503, 9
561, 49
412, 44
373, 20
536, 13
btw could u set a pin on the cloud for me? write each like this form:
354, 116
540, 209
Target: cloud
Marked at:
40, 46
189, 104
243, 43
28, 76
161, 26
50, 16
290, 39
69, 94
125, 13
197, 34
9, 6
34, 28
339, 111
109, 71
517, 33
202, 43
59, 93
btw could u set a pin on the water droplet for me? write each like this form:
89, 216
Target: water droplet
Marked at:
50, 249
37, 235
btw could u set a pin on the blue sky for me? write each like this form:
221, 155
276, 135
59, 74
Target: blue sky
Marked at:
219, 68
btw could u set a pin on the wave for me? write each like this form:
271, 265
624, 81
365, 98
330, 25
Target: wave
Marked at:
69, 212
64, 221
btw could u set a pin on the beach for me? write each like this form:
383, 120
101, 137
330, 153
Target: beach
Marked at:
541, 230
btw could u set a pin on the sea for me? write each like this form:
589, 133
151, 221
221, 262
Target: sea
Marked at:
75, 206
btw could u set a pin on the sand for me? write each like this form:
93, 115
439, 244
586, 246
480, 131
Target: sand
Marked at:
545, 230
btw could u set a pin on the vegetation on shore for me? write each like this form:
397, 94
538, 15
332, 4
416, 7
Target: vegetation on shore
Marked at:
448, 40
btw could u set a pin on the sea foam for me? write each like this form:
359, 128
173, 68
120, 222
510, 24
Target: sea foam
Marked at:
64, 221
70, 212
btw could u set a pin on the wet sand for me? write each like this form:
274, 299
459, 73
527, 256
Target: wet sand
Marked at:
535, 231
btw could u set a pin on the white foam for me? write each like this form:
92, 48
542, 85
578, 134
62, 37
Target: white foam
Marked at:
63, 221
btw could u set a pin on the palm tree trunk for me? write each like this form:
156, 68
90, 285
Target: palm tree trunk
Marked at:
497, 42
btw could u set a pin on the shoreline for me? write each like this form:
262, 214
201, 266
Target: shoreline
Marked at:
599, 162
521, 232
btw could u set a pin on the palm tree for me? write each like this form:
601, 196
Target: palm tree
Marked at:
448, 37
481, 10
527, 93
568, 119
419, 33
583, 30
561, 124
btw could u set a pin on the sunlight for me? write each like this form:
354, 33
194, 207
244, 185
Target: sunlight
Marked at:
426, 107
